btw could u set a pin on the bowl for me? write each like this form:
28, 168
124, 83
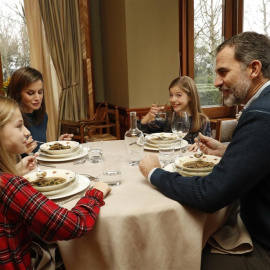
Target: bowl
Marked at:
190, 163
59, 147
157, 138
55, 179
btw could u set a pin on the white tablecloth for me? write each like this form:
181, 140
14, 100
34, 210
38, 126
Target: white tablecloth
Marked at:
138, 227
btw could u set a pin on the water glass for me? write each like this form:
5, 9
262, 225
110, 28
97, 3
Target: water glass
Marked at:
112, 167
166, 151
95, 150
161, 116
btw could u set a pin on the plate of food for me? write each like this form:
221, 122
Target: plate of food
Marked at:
72, 184
59, 147
54, 179
190, 163
152, 140
163, 137
172, 168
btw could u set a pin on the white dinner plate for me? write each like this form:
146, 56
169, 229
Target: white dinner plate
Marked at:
71, 144
169, 168
82, 184
74, 152
83, 152
52, 173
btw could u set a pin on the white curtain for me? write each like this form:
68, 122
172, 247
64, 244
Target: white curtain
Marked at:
41, 60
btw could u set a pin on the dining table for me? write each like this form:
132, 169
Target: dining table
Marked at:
138, 227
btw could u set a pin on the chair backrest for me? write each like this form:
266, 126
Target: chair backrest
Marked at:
227, 128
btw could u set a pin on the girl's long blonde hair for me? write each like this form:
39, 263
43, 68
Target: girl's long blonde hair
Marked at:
7, 108
188, 85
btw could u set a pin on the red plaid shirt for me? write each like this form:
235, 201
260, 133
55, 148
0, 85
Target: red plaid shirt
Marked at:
23, 210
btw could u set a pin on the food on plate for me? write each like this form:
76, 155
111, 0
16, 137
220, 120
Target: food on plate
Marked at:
49, 181
59, 146
162, 137
41, 174
198, 164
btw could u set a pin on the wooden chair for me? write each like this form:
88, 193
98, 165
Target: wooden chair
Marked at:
215, 125
104, 125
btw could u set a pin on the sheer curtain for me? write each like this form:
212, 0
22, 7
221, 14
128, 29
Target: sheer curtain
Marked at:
62, 28
41, 60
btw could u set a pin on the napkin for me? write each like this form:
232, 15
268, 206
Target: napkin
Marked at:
232, 238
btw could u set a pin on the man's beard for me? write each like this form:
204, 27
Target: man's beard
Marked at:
239, 92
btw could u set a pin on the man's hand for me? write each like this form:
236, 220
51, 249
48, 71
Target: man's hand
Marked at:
210, 146
148, 163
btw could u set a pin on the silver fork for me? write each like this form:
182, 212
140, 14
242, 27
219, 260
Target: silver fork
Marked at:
81, 161
198, 153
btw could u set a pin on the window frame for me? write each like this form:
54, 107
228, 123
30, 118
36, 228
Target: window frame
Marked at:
232, 24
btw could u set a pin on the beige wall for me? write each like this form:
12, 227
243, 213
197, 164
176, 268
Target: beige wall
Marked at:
140, 44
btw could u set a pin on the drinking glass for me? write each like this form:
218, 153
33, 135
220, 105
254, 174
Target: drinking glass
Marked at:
166, 151
112, 167
95, 150
161, 115
180, 125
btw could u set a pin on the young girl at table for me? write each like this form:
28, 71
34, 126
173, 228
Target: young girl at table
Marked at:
183, 96
24, 210
26, 87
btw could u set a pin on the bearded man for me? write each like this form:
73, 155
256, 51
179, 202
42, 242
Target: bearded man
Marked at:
242, 75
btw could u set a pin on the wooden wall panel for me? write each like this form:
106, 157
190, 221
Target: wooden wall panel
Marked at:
84, 10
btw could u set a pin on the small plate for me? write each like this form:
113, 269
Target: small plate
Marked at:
180, 161
54, 173
46, 147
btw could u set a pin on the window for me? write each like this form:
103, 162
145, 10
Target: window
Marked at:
256, 16
231, 19
14, 43
207, 36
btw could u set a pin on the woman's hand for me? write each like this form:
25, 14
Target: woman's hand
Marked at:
151, 115
65, 137
103, 187
210, 146
26, 165
31, 145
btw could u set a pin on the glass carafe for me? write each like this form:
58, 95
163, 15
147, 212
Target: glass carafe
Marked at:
134, 140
